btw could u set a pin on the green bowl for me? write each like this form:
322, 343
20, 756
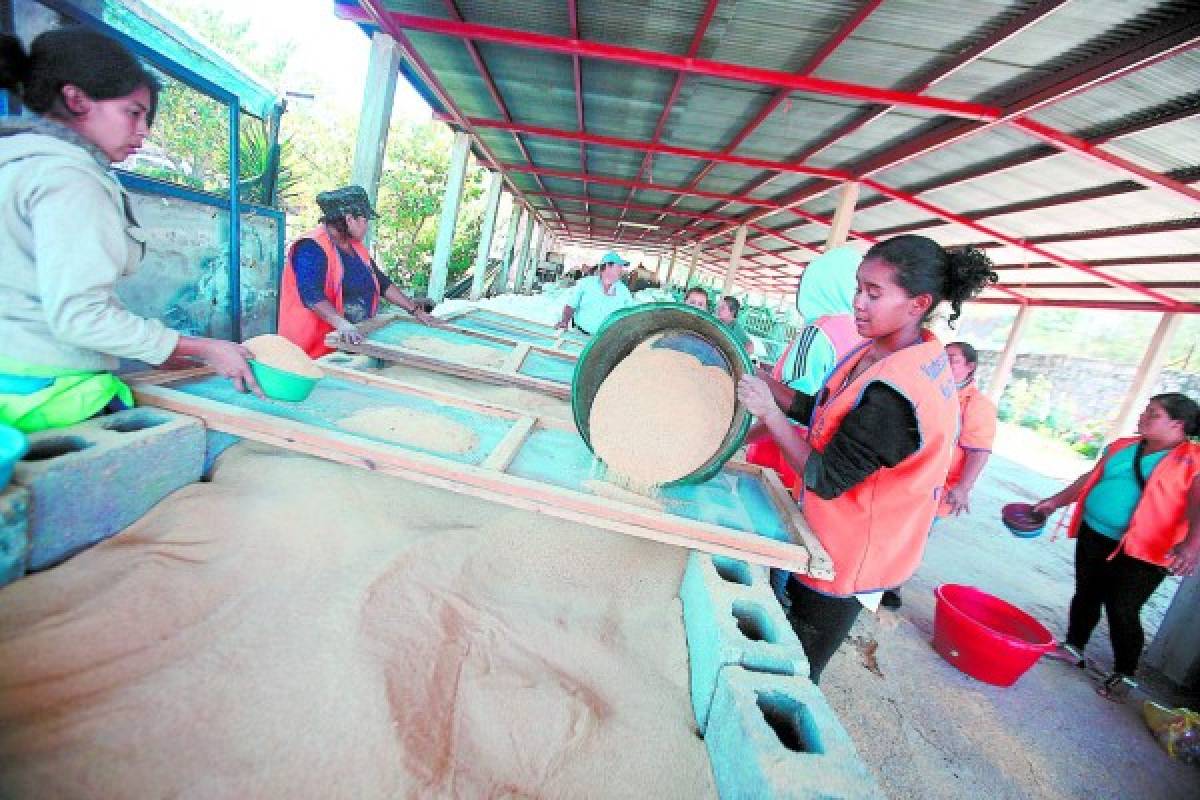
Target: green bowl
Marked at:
691, 330
281, 385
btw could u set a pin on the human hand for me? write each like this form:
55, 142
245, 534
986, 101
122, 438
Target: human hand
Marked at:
957, 499
425, 318
762, 372
1183, 558
756, 396
349, 334
230, 360
561, 324
1045, 508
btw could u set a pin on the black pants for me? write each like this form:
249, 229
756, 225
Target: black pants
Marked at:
1121, 587
821, 622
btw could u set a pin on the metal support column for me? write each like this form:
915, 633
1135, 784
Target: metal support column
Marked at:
735, 258
535, 259
378, 95
510, 243
495, 184
840, 224
687, 282
1147, 375
459, 153
523, 255
1004, 366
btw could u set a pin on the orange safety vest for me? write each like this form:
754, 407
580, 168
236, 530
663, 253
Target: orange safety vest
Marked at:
297, 321
1159, 519
977, 415
763, 450
875, 532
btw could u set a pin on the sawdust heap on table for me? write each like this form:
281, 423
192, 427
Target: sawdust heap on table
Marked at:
413, 428
613, 492
477, 355
514, 397
280, 353
659, 415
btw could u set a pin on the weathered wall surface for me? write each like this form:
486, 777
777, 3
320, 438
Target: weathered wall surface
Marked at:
184, 278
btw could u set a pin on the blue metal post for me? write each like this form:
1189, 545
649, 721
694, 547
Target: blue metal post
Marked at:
235, 224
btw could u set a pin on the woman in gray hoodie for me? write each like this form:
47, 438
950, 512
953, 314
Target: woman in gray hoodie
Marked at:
67, 233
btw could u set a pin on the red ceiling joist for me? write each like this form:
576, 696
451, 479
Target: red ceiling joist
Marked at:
842, 34
1150, 122
486, 75
942, 72
697, 38
573, 16
677, 212
665, 149
1165, 41
377, 15
693, 66
1101, 305
1022, 244
636, 185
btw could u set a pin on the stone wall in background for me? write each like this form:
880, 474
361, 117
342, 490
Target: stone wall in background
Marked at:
1093, 389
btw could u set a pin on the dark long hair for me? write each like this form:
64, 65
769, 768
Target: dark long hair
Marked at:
925, 267
97, 64
1183, 408
969, 354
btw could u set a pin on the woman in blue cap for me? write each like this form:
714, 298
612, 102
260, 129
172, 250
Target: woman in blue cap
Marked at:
597, 296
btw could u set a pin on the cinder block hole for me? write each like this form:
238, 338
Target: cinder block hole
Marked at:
129, 423
53, 447
791, 722
733, 571
752, 621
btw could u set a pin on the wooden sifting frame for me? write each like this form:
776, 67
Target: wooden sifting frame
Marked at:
489, 480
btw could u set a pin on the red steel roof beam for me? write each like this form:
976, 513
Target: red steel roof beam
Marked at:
1167, 40
1014, 242
835, 41
634, 185
693, 48
665, 149
693, 66
1102, 305
572, 14
490, 84
971, 54
376, 15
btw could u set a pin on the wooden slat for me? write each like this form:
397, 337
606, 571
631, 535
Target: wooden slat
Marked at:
415, 357
506, 451
516, 358
498, 487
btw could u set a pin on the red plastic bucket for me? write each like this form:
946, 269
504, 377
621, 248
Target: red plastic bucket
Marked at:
985, 637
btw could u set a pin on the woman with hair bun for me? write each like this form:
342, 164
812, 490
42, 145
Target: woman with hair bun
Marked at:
1136, 519
881, 436
67, 233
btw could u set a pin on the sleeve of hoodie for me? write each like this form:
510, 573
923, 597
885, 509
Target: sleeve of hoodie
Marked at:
80, 245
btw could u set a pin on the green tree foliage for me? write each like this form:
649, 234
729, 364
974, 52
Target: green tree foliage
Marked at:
317, 154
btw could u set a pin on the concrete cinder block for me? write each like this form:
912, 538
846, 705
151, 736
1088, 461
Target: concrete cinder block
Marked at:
92, 480
774, 736
215, 443
731, 617
14, 533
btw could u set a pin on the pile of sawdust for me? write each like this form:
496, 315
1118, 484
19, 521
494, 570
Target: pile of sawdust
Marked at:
476, 355
660, 415
412, 428
297, 628
524, 400
280, 353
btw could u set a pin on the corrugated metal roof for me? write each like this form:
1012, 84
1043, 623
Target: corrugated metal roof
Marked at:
1003, 178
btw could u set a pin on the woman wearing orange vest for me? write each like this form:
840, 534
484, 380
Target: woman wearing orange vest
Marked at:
1137, 517
330, 282
880, 439
976, 432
